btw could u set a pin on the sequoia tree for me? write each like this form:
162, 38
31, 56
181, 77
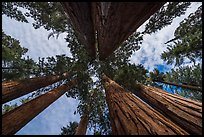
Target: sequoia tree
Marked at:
15, 119
130, 116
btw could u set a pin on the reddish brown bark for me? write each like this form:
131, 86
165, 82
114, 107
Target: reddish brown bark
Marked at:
15, 119
80, 15
116, 21
113, 22
131, 116
197, 88
185, 112
14, 89
82, 127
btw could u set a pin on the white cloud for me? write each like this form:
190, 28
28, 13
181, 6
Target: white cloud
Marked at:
153, 45
36, 40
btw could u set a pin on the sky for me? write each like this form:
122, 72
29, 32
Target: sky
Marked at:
60, 113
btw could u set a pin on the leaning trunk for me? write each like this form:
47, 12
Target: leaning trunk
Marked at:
15, 119
131, 116
14, 89
82, 127
184, 112
181, 85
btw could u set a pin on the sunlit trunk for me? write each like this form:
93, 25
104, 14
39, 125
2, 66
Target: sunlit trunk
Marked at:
14, 89
131, 116
184, 112
17, 118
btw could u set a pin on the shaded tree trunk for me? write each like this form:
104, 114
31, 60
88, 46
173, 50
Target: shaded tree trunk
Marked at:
14, 89
15, 119
181, 85
82, 127
131, 116
185, 112
107, 19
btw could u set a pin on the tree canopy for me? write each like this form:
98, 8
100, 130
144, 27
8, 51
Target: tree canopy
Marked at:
187, 42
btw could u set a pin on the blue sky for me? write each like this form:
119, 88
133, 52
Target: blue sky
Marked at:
60, 113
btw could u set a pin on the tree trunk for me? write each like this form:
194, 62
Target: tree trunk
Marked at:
181, 85
182, 111
107, 19
14, 89
131, 116
15, 119
82, 127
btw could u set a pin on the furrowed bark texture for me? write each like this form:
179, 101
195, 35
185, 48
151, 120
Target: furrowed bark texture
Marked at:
116, 21
80, 15
17, 118
14, 89
131, 116
184, 112
112, 22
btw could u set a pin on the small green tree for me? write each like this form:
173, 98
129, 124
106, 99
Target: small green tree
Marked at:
70, 129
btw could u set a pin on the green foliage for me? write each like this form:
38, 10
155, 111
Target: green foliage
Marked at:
57, 65
157, 75
97, 111
49, 15
7, 108
25, 100
165, 16
130, 74
154, 76
11, 49
129, 46
187, 42
189, 76
10, 9
14, 66
85, 91
70, 129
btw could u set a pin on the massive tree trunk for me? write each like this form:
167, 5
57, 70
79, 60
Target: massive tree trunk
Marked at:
107, 19
15, 119
182, 111
82, 127
14, 89
131, 116
181, 85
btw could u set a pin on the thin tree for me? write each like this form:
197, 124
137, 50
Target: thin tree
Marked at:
157, 76
180, 85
